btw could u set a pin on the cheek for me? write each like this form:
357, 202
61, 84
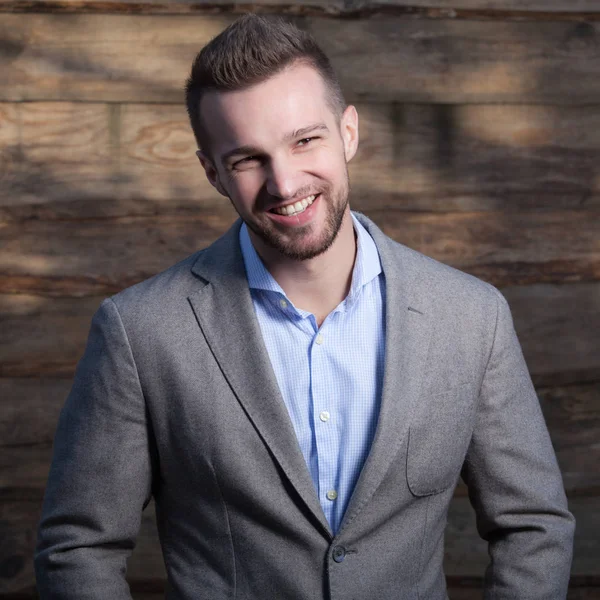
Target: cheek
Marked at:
245, 187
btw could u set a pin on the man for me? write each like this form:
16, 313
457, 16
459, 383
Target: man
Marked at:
302, 396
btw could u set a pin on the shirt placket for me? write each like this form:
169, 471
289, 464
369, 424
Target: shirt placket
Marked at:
324, 416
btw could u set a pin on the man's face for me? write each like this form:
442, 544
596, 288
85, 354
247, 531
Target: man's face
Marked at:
279, 153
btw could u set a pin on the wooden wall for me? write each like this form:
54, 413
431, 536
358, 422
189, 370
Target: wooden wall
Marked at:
480, 125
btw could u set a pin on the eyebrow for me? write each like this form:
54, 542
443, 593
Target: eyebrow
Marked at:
298, 133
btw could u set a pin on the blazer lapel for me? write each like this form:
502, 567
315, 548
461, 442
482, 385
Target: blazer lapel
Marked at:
225, 313
408, 333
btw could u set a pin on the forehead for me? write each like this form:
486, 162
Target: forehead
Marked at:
263, 114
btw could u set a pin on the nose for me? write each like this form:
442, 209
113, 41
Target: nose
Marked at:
283, 179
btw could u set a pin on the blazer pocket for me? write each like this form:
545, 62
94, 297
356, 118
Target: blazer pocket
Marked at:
438, 439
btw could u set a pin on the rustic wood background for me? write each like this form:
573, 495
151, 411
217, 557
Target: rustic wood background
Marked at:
480, 126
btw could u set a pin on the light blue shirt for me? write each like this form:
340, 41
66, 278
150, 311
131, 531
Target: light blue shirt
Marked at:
330, 377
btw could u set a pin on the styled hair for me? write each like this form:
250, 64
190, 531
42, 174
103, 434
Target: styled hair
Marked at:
249, 51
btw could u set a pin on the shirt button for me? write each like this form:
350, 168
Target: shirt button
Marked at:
283, 303
331, 495
324, 416
338, 554
319, 339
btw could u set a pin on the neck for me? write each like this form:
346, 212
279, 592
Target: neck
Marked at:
319, 284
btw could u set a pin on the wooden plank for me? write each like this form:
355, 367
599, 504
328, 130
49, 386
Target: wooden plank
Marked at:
24, 470
572, 414
557, 327
478, 157
102, 256
41, 336
423, 8
462, 61
76, 160
30, 410
57, 149
505, 248
466, 554
522, 6
162, 7
144, 58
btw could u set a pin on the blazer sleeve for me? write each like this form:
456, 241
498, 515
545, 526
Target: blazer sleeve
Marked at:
514, 481
100, 477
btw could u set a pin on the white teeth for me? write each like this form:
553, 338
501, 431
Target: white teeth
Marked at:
296, 208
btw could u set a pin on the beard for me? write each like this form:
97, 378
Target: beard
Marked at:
293, 244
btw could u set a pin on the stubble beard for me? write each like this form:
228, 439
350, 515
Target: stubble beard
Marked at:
293, 244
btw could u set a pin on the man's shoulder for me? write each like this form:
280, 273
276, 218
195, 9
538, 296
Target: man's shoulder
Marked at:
176, 281
441, 282
441, 276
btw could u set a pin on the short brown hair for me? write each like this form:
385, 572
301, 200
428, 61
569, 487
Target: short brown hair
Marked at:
249, 51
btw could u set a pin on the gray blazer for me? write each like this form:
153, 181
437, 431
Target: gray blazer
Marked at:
175, 398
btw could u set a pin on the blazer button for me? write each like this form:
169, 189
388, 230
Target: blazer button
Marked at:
339, 553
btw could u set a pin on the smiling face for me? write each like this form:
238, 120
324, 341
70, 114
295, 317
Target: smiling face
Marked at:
279, 152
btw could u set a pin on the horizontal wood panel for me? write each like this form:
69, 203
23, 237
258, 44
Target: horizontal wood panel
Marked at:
96, 256
558, 330
572, 414
557, 327
30, 410
424, 8
147, 58
544, 6
31, 407
466, 554
42, 336
77, 160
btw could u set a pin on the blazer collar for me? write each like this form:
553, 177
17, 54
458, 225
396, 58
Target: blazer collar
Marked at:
225, 313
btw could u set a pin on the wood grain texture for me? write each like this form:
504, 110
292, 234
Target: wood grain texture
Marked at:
42, 336
102, 256
557, 327
29, 410
544, 6
532, 9
31, 407
572, 414
466, 555
77, 160
144, 58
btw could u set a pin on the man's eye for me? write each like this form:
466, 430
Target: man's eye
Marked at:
245, 161
305, 141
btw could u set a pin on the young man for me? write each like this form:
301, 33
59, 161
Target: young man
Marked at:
302, 396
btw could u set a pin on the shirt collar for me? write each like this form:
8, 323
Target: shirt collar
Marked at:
367, 265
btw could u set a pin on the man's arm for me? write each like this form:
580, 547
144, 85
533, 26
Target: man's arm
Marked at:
100, 478
514, 482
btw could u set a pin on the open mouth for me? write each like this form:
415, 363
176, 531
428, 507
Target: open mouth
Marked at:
294, 208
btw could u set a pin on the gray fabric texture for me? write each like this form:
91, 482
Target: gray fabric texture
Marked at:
175, 398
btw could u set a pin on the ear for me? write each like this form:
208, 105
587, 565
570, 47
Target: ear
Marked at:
349, 131
211, 172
